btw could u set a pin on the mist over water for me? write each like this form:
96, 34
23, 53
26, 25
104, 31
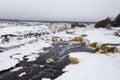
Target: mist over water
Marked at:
59, 10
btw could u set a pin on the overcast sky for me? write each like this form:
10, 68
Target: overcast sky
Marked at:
60, 10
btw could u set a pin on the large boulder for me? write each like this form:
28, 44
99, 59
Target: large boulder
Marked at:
116, 22
106, 23
79, 25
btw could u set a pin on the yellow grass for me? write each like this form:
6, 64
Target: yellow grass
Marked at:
93, 45
78, 39
73, 60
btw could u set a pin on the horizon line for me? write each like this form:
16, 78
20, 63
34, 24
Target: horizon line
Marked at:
67, 21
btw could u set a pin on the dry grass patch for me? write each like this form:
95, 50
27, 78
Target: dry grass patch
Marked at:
73, 60
104, 48
56, 38
93, 45
113, 50
78, 39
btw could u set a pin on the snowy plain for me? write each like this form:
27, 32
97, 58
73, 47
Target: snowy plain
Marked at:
95, 66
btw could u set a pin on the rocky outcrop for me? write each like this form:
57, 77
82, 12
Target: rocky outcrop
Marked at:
74, 25
116, 22
106, 23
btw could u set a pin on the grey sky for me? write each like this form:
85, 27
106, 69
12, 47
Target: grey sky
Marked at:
61, 10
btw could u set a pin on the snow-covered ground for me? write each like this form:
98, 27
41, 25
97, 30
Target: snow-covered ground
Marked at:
19, 53
91, 67
29, 44
100, 35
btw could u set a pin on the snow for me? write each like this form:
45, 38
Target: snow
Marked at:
22, 74
32, 57
8, 63
46, 79
116, 28
23, 29
17, 42
92, 67
100, 35
32, 45
25, 50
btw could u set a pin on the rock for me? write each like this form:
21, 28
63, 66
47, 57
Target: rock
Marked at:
49, 60
82, 25
106, 23
16, 69
84, 35
74, 25
1, 50
117, 33
116, 22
